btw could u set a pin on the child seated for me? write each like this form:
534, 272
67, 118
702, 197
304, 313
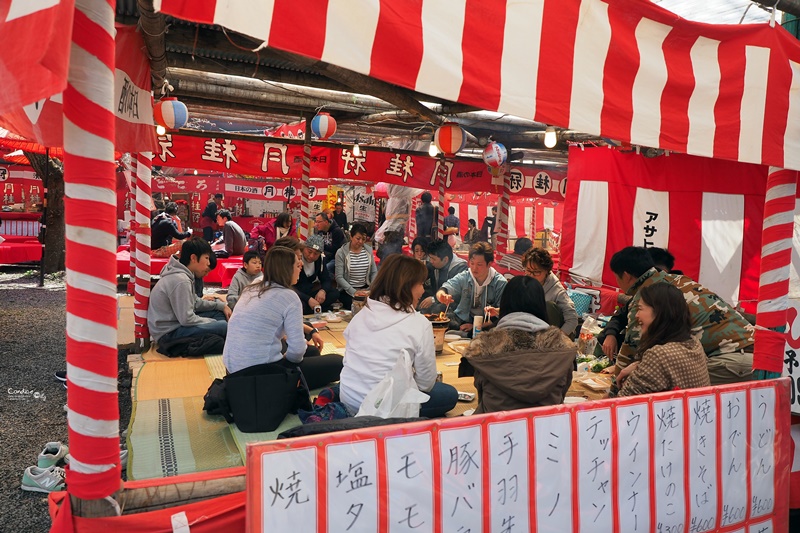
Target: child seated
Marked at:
250, 272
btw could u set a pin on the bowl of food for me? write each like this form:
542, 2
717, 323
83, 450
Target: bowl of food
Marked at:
440, 323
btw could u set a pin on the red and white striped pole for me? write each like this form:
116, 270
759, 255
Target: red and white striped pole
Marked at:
440, 221
412, 220
305, 184
377, 209
142, 256
90, 207
773, 285
132, 229
502, 222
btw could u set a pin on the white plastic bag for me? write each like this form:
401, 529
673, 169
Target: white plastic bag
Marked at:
396, 395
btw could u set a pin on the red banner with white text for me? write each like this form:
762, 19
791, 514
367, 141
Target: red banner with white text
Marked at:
276, 160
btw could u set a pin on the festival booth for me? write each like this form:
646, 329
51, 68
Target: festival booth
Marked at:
716, 458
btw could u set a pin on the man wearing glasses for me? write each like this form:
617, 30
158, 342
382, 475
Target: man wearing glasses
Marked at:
560, 309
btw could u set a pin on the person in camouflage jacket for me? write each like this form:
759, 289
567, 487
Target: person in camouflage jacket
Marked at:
726, 336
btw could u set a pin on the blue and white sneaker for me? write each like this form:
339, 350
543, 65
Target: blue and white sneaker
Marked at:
37, 479
52, 455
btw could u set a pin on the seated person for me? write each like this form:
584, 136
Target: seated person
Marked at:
164, 229
419, 248
612, 336
561, 310
475, 291
444, 265
513, 262
175, 311
332, 235
272, 230
315, 285
727, 337
670, 357
385, 327
233, 237
472, 235
268, 314
250, 272
522, 362
355, 265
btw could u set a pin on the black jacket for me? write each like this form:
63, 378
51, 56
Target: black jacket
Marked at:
334, 239
305, 284
341, 219
164, 230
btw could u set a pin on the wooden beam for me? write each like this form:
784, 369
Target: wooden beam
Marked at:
250, 70
360, 83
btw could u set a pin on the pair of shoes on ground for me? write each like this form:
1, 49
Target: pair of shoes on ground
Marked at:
47, 475
61, 375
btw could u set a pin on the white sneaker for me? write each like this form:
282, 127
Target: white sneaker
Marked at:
37, 479
52, 454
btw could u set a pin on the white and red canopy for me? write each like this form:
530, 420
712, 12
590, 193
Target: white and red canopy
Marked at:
624, 69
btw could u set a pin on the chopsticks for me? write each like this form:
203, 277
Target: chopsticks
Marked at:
446, 309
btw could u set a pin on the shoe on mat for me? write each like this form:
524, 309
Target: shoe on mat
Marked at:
61, 375
53, 453
37, 479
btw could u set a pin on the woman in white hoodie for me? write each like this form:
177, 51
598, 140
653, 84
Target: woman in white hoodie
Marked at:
387, 325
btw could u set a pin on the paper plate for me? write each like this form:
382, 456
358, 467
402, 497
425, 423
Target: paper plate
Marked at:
574, 399
453, 338
459, 346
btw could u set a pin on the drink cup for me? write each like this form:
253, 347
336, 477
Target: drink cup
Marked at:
477, 325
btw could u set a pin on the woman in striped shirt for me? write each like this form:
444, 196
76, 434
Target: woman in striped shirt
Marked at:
355, 265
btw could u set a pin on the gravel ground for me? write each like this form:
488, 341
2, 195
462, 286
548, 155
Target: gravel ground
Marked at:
32, 348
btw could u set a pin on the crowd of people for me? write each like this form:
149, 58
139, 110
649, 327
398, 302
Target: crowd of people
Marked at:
671, 332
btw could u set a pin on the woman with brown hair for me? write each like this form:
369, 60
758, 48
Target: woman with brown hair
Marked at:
670, 357
387, 325
270, 313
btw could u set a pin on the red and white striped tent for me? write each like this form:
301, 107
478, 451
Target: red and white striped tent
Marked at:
624, 69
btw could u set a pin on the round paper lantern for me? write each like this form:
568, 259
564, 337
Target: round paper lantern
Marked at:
170, 113
495, 154
323, 125
449, 138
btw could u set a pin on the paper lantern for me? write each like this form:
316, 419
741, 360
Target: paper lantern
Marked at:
495, 154
323, 125
170, 113
450, 138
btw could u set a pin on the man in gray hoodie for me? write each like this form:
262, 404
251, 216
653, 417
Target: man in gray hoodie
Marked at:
174, 310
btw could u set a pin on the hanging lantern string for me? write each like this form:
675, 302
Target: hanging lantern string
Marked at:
166, 88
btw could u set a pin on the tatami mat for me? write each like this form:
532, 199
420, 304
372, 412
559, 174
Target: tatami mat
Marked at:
172, 379
168, 437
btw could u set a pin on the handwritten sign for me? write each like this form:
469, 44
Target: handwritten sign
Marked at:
733, 445
762, 453
462, 467
553, 443
702, 451
701, 460
289, 492
353, 486
634, 467
594, 470
508, 460
668, 457
410, 461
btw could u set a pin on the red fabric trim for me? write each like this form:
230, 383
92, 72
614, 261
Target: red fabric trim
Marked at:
225, 513
768, 352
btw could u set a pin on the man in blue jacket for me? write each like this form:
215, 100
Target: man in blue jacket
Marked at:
475, 290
